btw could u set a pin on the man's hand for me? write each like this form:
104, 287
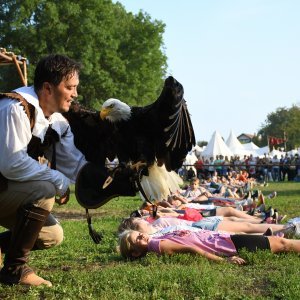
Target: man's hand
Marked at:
61, 200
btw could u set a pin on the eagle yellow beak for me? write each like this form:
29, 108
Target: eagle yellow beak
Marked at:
104, 112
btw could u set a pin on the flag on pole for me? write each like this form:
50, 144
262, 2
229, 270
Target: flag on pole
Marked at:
275, 141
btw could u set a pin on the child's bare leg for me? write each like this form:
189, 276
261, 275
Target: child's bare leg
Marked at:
278, 245
232, 212
236, 219
247, 227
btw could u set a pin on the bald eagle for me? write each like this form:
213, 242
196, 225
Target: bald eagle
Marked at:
157, 134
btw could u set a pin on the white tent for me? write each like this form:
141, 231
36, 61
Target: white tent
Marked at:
261, 152
276, 152
235, 146
216, 146
293, 152
250, 146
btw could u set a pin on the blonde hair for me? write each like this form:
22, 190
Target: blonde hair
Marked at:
125, 246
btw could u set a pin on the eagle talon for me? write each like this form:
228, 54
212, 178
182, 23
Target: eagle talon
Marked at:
107, 182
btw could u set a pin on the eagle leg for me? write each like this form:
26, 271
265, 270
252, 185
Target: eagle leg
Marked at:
138, 165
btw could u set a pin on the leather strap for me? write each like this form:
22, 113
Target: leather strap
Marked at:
29, 108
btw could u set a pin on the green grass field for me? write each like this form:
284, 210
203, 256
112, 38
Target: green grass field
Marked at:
80, 269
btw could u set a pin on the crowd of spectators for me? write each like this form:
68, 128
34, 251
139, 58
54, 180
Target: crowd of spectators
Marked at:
265, 169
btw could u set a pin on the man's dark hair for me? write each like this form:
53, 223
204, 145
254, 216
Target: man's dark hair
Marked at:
53, 69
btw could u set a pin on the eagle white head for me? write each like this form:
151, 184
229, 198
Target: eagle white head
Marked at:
115, 110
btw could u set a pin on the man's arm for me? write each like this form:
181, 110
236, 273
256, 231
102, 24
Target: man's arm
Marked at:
15, 163
69, 160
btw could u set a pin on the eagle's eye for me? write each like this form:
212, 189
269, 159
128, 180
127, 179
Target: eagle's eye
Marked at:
112, 105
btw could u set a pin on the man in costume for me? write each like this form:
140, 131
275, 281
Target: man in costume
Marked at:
31, 126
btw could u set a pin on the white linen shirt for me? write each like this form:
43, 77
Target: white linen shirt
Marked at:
15, 135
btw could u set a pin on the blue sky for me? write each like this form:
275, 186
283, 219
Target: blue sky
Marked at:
238, 60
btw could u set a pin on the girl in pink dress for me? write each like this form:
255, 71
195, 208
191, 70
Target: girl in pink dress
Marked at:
212, 245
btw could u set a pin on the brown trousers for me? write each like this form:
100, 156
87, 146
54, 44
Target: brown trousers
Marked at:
40, 194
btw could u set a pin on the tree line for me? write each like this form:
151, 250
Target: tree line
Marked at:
122, 54
283, 123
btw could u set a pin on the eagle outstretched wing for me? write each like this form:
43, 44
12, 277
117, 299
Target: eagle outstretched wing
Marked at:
161, 131
167, 126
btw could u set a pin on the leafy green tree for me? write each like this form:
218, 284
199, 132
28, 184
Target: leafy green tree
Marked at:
283, 123
202, 143
122, 54
9, 78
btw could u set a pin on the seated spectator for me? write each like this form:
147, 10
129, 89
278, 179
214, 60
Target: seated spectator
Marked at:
191, 193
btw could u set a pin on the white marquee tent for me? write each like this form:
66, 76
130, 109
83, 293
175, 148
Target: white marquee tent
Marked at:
276, 152
261, 152
293, 152
250, 146
235, 145
216, 146
190, 160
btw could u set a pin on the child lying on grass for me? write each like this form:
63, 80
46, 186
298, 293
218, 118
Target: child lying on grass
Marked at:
230, 213
209, 223
212, 245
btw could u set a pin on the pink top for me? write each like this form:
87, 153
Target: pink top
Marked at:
209, 241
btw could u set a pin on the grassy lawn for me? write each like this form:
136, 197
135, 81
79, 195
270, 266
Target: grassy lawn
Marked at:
80, 269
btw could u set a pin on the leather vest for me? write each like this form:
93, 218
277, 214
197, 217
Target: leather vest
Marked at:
35, 148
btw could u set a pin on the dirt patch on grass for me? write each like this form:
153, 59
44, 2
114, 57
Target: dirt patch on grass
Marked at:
76, 215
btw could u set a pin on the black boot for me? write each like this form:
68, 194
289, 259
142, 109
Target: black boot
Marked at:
29, 223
